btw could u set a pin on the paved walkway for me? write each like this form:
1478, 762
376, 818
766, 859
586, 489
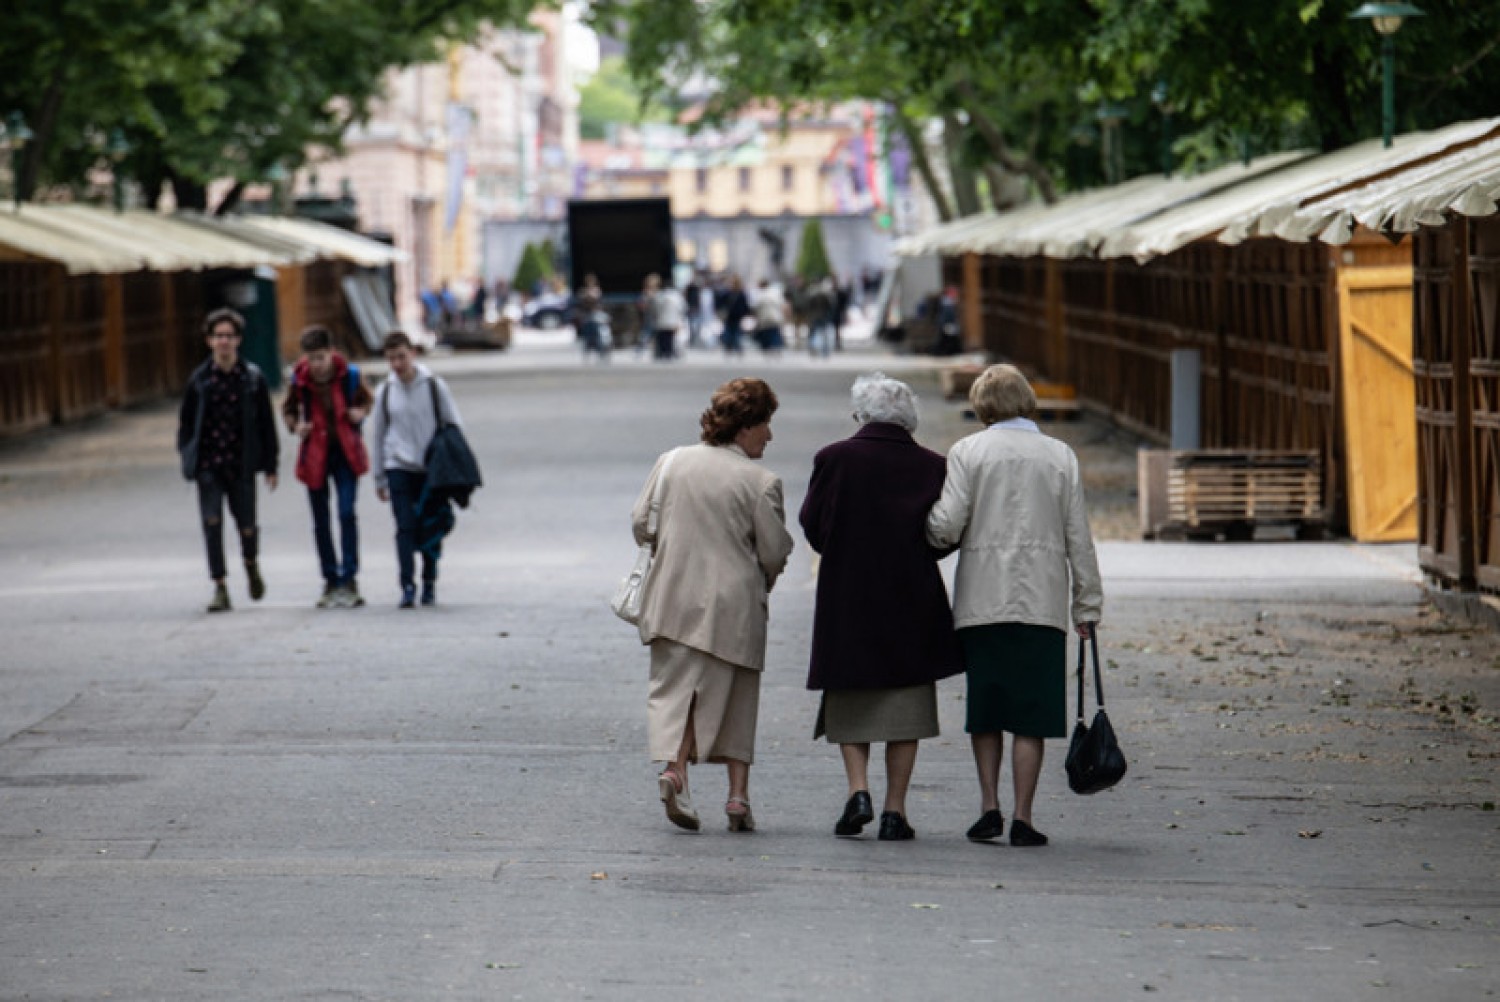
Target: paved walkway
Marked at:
454, 803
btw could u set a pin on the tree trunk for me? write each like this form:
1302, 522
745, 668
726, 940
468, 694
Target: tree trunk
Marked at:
923, 162
190, 194
965, 190
1004, 156
231, 201
43, 130
1000, 182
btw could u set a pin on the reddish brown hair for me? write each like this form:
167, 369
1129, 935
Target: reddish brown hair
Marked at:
737, 405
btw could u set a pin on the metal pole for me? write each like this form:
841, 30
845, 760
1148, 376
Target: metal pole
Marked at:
1388, 96
1166, 144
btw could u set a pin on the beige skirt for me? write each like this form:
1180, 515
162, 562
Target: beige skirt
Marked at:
723, 700
861, 716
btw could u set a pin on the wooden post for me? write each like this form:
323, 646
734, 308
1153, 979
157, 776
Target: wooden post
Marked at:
56, 282
116, 386
171, 336
1462, 316
973, 293
1057, 349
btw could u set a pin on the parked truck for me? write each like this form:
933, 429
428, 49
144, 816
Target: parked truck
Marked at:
620, 242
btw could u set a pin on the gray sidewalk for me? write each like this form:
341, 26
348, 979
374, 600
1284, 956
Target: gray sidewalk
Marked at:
455, 803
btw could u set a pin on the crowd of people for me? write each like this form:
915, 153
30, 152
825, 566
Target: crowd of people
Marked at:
880, 510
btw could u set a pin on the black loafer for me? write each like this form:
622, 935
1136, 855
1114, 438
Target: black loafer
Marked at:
893, 828
1023, 834
858, 812
988, 828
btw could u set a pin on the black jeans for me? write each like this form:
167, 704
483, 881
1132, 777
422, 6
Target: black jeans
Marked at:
346, 485
214, 488
406, 489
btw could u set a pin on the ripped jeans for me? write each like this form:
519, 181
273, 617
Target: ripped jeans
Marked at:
214, 488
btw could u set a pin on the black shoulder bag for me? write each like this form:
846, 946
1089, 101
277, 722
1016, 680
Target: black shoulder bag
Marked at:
1095, 761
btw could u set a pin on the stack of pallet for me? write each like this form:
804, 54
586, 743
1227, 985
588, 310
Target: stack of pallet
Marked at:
1207, 492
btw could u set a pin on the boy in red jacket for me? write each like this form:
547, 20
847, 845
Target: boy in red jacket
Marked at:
324, 407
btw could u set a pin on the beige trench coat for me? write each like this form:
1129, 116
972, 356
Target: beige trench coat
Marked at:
721, 543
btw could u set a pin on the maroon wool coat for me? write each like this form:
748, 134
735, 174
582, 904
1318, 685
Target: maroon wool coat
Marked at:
883, 618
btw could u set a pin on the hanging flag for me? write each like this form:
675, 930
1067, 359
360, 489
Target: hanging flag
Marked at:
460, 122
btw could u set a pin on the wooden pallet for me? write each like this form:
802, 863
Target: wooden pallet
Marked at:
1205, 492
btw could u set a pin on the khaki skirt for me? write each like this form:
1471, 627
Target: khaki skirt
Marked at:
862, 716
722, 699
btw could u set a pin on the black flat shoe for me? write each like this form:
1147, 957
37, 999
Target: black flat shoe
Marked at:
1023, 834
858, 812
988, 828
893, 828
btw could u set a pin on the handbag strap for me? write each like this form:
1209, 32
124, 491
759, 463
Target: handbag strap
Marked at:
1098, 676
653, 517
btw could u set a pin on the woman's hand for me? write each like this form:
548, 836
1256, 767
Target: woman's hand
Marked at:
356, 414
1086, 630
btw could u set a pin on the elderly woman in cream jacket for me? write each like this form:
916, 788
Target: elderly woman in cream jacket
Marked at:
721, 542
1013, 503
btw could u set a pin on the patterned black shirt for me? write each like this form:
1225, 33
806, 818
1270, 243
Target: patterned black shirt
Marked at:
220, 447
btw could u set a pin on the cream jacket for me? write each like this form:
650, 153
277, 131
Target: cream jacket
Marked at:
1013, 503
721, 543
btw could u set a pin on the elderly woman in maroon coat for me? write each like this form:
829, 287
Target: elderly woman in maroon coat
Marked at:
883, 630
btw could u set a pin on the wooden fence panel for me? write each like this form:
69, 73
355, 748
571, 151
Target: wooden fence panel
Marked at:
148, 338
1439, 353
1484, 371
80, 308
25, 347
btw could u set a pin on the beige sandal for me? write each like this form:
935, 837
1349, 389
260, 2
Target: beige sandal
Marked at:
674, 794
737, 809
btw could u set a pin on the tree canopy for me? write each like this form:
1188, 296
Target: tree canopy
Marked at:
1035, 88
205, 89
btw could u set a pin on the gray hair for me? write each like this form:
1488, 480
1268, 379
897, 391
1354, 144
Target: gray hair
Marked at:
877, 397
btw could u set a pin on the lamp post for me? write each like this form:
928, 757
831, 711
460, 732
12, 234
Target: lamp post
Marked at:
1110, 115
117, 149
1161, 97
1387, 19
16, 135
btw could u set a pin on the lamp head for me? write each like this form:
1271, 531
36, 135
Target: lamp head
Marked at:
1386, 17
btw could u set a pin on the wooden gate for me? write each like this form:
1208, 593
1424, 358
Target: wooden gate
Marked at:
1379, 396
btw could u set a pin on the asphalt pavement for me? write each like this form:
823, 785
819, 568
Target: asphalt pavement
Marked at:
455, 802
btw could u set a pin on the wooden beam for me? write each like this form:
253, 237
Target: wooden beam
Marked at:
116, 388
973, 305
1461, 317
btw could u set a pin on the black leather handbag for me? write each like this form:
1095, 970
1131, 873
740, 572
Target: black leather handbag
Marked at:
1095, 761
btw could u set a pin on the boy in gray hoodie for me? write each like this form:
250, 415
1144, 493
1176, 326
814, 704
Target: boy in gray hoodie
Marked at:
403, 421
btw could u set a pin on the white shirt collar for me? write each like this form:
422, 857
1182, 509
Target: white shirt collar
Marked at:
1017, 424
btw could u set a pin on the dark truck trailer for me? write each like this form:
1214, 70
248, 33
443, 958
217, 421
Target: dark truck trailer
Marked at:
620, 242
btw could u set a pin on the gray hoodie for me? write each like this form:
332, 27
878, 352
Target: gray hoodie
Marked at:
402, 422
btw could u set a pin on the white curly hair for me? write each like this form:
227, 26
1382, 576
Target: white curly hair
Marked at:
877, 397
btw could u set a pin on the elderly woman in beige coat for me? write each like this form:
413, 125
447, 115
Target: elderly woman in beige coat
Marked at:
721, 542
1013, 504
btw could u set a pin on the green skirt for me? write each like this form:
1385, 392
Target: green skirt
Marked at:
1018, 679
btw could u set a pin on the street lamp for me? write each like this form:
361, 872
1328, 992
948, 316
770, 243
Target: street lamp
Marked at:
117, 149
1110, 114
16, 135
1387, 19
1161, 97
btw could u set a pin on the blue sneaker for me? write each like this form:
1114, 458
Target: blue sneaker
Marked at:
408, 596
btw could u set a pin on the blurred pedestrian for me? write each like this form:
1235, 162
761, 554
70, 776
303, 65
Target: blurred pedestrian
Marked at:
770, 316
882, 631
1013, 503
737, 313
408, 409
226, 434
324, 407
587, 314
662, 310
721, 542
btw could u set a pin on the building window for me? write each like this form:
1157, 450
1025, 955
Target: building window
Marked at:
744, 179
702, 180
788, 175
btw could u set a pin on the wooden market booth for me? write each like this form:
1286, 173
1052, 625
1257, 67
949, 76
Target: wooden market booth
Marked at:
1303, 346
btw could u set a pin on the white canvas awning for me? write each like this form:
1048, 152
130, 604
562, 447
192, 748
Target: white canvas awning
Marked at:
327, 241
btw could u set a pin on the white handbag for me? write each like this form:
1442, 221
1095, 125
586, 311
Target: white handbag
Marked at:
627, 601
